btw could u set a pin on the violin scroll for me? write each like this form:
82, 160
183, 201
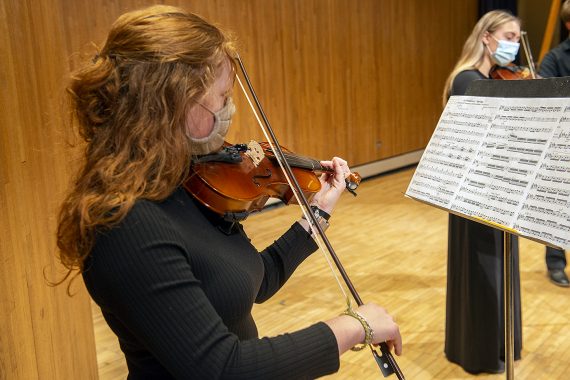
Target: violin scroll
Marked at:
352, 182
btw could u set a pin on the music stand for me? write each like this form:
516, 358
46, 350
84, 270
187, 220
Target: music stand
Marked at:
543, 88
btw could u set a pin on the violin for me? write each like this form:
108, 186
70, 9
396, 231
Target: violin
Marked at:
510, 72
240, 178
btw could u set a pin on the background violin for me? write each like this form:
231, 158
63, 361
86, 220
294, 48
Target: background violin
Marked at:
239, 179
510, 72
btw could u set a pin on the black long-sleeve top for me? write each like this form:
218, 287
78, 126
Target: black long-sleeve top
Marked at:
463, 80
178, 292
557, 62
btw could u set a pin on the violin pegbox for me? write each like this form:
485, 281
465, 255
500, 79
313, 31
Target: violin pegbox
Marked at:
255, 152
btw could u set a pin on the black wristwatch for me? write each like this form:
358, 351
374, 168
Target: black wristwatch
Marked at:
321, 216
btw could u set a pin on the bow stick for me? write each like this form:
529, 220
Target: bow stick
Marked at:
386, 361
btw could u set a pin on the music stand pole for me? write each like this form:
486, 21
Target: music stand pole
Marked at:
508, 305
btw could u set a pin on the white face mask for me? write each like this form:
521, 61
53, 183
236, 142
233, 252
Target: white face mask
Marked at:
505, 53
216, 138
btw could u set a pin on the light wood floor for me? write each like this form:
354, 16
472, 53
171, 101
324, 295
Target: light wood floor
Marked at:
394, 250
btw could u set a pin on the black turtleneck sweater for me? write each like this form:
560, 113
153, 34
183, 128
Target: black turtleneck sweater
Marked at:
178, 292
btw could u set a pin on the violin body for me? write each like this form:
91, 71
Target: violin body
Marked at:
240, 179
510, 72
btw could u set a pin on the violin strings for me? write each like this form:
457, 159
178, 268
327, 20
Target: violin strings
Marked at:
302, 162
305, 212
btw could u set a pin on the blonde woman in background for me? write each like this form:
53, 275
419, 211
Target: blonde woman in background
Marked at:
474, 336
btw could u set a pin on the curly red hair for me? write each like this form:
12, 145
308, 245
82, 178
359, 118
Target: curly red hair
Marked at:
130, 105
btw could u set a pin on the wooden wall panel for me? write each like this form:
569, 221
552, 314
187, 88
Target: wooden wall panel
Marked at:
44, 333
358, 79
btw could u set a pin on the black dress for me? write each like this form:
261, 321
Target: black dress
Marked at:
474, 328
177, 286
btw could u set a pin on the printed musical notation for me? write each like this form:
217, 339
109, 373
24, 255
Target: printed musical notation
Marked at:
505, 160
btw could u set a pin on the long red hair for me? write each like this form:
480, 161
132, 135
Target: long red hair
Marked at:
130, 105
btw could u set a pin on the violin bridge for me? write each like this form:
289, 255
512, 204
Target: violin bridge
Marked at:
255, 152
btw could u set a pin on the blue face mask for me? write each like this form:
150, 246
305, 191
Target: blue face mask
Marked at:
505, 53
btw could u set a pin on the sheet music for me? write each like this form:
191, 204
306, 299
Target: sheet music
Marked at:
505, 160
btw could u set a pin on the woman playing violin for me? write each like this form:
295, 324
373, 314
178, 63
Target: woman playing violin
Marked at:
174, 286
493, 41
474, 336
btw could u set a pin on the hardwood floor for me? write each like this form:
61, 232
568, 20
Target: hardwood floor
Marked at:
394, 250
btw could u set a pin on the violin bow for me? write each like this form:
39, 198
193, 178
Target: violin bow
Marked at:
528, 54
386, 361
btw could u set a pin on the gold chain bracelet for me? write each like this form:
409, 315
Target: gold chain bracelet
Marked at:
368, 332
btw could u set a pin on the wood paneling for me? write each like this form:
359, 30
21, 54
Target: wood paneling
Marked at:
43, 332
357, 79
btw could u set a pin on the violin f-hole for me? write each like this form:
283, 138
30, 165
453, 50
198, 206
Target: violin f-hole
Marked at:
266, 175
